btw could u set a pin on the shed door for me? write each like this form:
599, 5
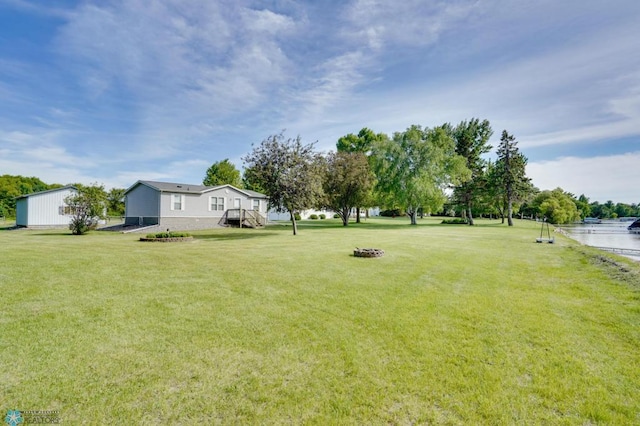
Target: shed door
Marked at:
237, 203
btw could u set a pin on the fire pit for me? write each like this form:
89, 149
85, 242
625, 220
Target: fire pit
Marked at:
368, 252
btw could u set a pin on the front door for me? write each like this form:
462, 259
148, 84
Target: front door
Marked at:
237, 203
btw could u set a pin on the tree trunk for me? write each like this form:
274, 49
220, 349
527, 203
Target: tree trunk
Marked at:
357, 214
413, 215
293, 222
470, 216
510, 213
344, 215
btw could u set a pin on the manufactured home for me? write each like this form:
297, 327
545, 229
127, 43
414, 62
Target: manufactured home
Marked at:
178, 206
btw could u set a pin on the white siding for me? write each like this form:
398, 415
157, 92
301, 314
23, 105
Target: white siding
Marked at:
45, 209
198, 205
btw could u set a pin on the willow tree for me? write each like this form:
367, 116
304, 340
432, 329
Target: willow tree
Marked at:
414, 168
289, 172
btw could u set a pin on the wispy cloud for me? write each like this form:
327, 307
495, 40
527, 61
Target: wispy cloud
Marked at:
161, 89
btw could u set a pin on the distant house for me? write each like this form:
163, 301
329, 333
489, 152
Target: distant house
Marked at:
45, 209
179, 206
305, 214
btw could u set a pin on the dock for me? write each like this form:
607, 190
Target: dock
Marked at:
623, 251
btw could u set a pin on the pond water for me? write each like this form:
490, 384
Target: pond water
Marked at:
613, 234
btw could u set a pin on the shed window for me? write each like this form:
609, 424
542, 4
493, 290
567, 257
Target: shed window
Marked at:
256, 205
66, 210
216, 204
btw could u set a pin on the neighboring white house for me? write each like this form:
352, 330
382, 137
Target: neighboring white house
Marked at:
305, 214
179, 206
45, 208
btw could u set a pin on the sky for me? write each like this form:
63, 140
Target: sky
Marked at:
111, 92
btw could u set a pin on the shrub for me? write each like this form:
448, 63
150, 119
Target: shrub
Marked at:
336, 215
169, 235
323, 216
313, 216
455, 221
296, 216
392, 213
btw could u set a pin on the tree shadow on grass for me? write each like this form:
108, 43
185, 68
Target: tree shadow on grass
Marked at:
399, 223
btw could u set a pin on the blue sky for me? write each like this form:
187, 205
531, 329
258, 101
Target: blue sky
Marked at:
116, 91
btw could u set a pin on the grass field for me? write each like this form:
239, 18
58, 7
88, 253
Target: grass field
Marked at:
454, 325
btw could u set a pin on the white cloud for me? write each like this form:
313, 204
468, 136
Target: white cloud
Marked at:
173, 81
600, 178
410, 22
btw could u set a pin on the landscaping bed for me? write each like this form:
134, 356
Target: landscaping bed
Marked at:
167, 237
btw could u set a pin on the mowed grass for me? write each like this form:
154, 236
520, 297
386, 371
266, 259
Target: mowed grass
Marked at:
454, 325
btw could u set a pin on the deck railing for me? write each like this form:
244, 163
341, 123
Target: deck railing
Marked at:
243, 218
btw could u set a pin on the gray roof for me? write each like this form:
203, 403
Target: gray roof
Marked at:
186, 188
48, 190
254, 194
175, 187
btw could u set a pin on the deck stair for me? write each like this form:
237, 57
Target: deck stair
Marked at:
242, 218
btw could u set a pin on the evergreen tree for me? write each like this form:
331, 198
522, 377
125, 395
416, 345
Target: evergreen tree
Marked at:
511, 172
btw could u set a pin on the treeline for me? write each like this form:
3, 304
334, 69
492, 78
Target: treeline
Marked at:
12, 187
415, 172
441, 170
15, 186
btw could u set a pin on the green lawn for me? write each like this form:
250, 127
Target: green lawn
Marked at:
454, 325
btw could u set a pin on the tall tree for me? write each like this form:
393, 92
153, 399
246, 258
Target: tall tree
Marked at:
347, 183
415, 167
512, 177
472, 140
363, 142
222, 173
289, 172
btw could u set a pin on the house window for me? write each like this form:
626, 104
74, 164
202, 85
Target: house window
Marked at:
177, 202
256, 205
216, 204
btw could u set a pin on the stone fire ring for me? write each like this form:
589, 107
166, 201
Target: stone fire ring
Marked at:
368, 252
